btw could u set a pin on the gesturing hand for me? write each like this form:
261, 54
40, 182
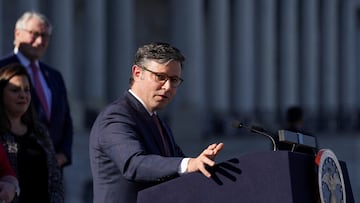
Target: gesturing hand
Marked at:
206, 158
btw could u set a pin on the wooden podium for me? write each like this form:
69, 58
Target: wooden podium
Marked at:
276, 176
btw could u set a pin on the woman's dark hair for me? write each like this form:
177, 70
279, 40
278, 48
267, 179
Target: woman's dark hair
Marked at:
6, 73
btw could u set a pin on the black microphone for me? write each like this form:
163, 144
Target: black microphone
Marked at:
258, 130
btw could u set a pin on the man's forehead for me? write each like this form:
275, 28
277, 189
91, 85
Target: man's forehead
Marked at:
36, 22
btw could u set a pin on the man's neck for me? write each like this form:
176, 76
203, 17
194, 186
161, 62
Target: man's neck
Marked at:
140, 100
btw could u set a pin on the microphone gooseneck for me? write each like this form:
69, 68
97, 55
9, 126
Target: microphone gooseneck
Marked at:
258, 130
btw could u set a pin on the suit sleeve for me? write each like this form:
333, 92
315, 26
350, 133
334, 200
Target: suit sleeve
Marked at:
131, 148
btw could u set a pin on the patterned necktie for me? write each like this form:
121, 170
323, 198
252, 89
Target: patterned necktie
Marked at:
163, 138
39, 89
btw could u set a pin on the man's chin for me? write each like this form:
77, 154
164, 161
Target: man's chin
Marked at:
161, 105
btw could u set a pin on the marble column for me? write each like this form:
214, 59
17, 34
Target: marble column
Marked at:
218, 56
347, 66
289, 69
187, 34
309, 60
329, 60
94, 48
121, 47
243, 90
62, 44
265, 61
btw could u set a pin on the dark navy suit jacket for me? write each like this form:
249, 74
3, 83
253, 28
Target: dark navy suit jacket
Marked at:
126, 153
60, 125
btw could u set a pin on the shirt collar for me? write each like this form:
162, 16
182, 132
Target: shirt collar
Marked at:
141, 101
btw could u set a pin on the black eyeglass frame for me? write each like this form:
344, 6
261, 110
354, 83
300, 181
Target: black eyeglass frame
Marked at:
163, 78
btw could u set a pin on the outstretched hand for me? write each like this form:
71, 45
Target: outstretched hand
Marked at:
206, 158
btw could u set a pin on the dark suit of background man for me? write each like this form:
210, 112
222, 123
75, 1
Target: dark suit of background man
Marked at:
130, 147
32, 34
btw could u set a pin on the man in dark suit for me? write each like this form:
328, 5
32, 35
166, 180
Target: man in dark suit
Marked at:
131, 148
32, 34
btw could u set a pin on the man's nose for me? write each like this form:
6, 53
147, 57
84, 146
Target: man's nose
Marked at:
167, 84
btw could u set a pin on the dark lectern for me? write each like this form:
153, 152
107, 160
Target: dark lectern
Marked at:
276, 176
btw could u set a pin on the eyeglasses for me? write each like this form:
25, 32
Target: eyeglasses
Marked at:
162, 78
35, 34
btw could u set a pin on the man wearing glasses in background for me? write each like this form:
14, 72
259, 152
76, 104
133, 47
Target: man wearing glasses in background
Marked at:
32, 35
131, 148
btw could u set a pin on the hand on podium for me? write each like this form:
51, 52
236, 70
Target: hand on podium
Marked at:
206, 158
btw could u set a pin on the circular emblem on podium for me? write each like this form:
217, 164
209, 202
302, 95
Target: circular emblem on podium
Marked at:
330, 177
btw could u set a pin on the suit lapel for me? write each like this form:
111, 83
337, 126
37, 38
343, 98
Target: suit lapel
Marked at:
145, 118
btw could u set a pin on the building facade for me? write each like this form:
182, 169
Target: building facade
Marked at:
246, 59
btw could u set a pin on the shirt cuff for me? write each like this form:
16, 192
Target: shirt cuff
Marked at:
183, 166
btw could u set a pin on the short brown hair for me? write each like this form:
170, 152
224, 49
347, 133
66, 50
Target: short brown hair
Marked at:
161, 52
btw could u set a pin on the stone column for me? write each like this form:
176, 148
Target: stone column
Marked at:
62, 45
188, 36
218, 55
94, 72
329, 60
289, 69
121, 47
243, 90
347, 65
309, 61
265, 60
187, 33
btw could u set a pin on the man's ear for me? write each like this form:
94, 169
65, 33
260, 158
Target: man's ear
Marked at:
17, 33
137, 72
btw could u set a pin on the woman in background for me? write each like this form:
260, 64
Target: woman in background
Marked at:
26, 141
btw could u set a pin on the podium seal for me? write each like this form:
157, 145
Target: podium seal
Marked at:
330, 177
